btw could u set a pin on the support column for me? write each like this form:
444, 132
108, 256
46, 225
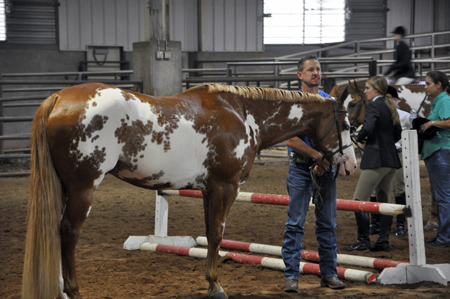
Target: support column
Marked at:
157, 60
158, 64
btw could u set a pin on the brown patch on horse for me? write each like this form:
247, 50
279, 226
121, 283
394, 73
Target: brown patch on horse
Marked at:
270, 94
133, 136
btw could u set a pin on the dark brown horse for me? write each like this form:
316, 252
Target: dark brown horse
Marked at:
354, 100
205, 138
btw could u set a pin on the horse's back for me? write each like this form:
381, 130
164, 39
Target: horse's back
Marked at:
150, 142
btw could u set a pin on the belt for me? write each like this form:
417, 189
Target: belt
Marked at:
300, 159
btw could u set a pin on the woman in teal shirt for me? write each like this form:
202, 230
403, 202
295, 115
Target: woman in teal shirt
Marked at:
436, 153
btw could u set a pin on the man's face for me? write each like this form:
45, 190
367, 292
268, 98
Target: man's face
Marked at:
311, 73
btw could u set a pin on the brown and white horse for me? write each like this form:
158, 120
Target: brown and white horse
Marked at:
205, 138
354, 100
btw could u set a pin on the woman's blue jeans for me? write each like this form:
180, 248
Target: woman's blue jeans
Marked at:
299, 186
438, 166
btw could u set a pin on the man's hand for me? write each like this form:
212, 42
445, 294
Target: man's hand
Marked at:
321, 164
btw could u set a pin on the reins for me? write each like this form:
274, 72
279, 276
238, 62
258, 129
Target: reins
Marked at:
316, 180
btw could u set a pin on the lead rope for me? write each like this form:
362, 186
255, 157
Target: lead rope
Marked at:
317, 198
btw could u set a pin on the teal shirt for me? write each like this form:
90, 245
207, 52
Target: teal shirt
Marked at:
440, 110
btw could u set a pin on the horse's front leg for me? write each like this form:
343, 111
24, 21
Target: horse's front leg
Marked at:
217, 200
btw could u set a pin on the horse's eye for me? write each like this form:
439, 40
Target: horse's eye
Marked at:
351, 105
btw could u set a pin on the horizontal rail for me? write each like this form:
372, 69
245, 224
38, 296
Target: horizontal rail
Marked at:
24, 98
14, 156
15, 137
16, 118
68, 82
87, 73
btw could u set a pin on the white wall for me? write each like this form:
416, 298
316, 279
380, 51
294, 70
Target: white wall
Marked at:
221, 25
101, 23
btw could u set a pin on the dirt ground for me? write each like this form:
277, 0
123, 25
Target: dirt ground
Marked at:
106, 270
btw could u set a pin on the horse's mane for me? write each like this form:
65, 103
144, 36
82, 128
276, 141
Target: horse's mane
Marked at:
270, 94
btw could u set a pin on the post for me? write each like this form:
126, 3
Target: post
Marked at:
161, 214
157, 61
417, 270
2, 151
413, 197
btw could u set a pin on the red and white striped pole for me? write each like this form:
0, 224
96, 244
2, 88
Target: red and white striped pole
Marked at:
273, 263
313, 256
276, 199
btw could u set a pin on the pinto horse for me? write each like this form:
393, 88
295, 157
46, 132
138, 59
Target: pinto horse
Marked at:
205, 138
354, 100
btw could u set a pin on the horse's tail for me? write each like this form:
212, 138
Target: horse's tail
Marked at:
42, 265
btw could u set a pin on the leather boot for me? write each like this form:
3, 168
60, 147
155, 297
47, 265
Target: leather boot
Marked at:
363, 243
400, 200
382, 244
374, 220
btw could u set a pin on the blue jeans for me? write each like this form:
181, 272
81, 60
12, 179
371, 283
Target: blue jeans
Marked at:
299, 186
438, 166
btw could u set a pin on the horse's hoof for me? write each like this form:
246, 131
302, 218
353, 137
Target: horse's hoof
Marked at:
218, 295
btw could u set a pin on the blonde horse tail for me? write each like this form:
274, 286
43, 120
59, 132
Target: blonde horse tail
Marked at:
42, 265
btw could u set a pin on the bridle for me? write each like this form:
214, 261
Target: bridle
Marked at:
316, 181
359, 107
342, 147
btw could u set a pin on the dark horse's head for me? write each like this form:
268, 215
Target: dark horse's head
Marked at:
352, 96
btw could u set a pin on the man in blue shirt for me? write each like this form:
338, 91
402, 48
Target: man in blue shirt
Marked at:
299, 184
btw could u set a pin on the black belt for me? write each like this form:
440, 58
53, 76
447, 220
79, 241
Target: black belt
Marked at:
300, 159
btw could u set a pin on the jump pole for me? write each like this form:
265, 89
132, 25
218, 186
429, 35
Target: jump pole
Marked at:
417, 270
272, 263
276, 199
313, 256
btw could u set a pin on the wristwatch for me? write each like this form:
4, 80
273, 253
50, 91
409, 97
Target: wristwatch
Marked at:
432, 123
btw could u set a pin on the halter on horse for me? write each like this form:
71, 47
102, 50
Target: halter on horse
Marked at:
205, 138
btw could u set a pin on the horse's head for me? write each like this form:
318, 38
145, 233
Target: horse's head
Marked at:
332, 138
353, 99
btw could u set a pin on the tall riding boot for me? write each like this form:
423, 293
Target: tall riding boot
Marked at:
363, 243
382, 244
400, 200
374, 220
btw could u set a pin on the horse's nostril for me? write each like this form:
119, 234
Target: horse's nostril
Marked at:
347, 172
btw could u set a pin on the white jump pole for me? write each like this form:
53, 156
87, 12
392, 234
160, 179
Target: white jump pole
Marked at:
313, 256
268, 262
417, 270
277, 199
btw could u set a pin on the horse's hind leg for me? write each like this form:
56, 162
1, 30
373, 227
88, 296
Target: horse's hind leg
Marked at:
217, 203
79, 200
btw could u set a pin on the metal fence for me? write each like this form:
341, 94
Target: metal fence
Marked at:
21, 95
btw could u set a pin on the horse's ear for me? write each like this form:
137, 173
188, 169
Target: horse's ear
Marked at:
343, 96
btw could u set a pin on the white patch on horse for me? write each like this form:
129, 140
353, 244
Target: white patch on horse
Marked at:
182, 163
413, 99
179, 165
61, 283
89, 211
296, 112
250, 126
347, 100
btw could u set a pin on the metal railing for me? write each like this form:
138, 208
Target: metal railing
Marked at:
251, 70
283, 78
16, 94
